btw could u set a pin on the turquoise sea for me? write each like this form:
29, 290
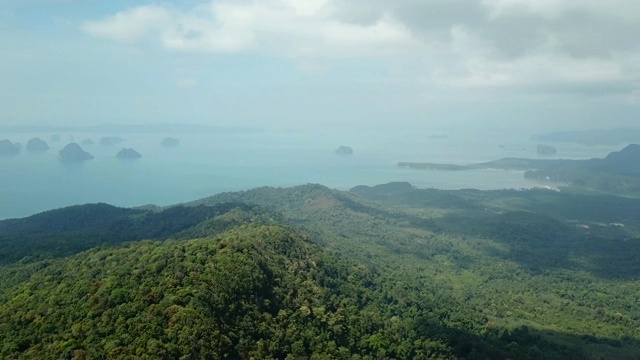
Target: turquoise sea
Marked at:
206, 164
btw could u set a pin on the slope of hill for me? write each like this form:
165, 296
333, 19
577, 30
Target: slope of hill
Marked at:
73, 229
378, 272
539, 258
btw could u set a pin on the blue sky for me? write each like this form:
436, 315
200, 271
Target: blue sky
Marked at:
536, 65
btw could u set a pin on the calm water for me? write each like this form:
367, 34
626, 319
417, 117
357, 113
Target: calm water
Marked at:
204, 165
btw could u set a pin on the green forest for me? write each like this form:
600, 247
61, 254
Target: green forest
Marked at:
308, 272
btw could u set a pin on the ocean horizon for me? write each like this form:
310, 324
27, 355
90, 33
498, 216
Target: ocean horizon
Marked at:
207, 164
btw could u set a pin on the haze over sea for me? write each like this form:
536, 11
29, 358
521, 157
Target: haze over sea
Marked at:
206, 164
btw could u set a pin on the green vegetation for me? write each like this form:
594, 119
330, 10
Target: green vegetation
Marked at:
308, 272
618, 173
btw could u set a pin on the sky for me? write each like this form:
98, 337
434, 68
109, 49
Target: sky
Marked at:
536, 65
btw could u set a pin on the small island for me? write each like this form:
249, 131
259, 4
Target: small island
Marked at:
36, 145
545, 150
128, 154
73, 153
344, 150
87, 141
9, 148
170, 142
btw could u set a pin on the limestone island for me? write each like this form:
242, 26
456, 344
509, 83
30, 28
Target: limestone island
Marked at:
87, 141
73, 153
36, 145
545, 150
344, 150
169, 142
9, 148
128, 154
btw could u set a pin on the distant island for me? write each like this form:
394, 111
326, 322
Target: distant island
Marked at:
545, 150
128, 154
344, 150
617, 173
36, 144
9, 148
73, 153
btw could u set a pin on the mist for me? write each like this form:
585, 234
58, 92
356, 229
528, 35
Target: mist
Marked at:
451, 82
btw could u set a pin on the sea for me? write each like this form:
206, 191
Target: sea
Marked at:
208, 163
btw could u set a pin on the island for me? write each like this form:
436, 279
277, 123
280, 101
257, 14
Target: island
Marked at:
545, 150
618, 173
73, 153
87, 141
344, 150
9, 148
170, 142
36, 145
128, 154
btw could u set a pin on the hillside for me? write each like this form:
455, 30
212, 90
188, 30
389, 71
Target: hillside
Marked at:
246, 292
389, 271
552, 261
73, 229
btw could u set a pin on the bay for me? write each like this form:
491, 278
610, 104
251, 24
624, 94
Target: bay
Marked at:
206, 164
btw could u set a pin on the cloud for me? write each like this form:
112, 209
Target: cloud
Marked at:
448, 43
285, 27
130, 26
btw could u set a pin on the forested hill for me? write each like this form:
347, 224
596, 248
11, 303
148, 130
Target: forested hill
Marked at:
73, 229
389, 271
257, 291
304, 202
249, 289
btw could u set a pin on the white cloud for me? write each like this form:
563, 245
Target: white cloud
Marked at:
495, 43
284, 27
476, 66
130, 26
553, 9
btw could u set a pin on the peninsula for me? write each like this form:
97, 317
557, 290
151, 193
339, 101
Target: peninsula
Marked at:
617, 173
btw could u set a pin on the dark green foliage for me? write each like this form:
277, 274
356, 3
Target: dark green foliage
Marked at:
73, 229
255, 291
380, 272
